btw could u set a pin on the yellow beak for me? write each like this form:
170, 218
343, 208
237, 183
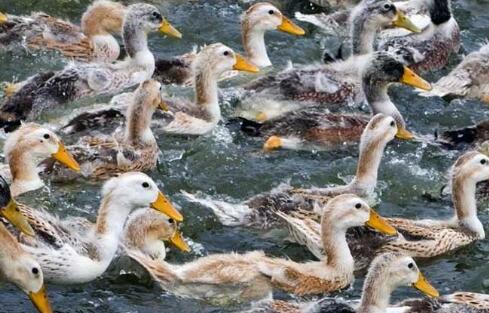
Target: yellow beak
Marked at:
163, 205
3, 18
272, 143
401, 20
379, 223
410, 78
40, 300
288, 26
13, 215
163, 105
64, 157
243, 65
168, 29
404, 134
178, 241
425, 287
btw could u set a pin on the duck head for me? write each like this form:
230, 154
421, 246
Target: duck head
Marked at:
9, 210
138, 190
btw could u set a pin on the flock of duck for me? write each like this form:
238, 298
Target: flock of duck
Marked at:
301, 107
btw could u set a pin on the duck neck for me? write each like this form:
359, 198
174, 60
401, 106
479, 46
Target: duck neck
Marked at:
136, 45
465, 204
376, 293
112, 215
336, 247
368, 165
24, 170
206, 94
440, 11
254, 45
363, 32
138, 130
379, 101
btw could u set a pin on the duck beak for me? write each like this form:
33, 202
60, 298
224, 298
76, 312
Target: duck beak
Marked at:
178, 241
401, 20
425, 287
164, 206
261, 117
272, 143
410, 78
379, 223
13, 215
404, 134
3, 18
40, 300
168, 29
64, 157
243, 65
163, 105
290, 27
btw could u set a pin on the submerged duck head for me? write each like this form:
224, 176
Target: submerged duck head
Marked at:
138, 190
217, 58
348, 210
264, 16
103, 17
9, 210
388, 272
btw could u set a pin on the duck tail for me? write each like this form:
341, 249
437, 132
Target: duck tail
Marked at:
160, 271
229, 214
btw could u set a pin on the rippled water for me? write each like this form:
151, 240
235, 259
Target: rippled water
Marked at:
227, 164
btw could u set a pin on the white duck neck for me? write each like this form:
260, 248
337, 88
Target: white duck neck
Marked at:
363, 34
139, 115
376, 293
207, 94
465, 204
336, 247
371, 153
24, 170
254, 45
376, 94
136, 45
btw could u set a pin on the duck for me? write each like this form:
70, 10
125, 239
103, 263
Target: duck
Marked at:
436, 43
93, 41
326, 85
304, 128
45, 90
147, 231
255, 22
75, 251
420, 238
468, 80
25, 151
129, 148
252, 276
259, 211
388, 272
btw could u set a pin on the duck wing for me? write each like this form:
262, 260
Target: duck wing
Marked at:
175, 71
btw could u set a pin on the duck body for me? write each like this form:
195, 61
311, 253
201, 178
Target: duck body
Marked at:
77, 81
91, 42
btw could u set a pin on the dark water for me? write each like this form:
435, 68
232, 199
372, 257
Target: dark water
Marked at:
230, 166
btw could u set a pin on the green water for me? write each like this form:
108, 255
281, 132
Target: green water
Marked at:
229, 165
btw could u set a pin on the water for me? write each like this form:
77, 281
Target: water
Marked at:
229, 165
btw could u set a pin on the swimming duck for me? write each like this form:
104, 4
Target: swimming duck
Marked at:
251, 276
470, 79
388, 272
436, 43
204, 114
132, 149
305, 128
255, 22
93, 41
146, 231
331, 85
421, 238
81, 80
259, 211
25, 150
72, 253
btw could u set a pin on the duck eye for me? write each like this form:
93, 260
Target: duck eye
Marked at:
387, 6
358, 205
46, 136
393, 124
145, 185
226, 53
35, 270
483, 161
171, 221
271, 12
157, 16
411, 266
